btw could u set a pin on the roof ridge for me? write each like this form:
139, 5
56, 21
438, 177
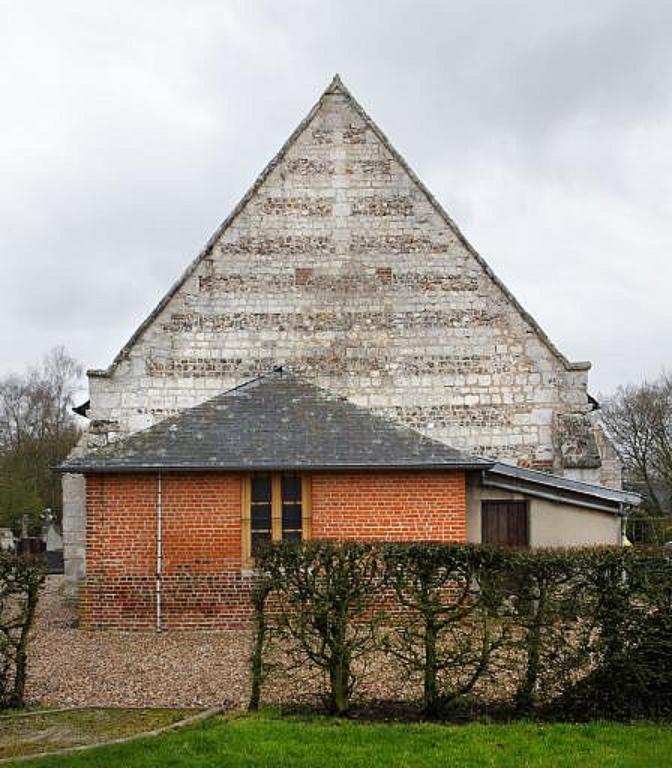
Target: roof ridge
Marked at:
246, 383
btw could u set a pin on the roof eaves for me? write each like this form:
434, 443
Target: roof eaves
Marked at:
469, 465
578, 487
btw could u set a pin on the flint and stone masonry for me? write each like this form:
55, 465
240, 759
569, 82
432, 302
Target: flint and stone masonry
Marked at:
341, 266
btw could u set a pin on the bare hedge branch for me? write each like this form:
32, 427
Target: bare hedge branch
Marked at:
323, 593
20, 580
583, 632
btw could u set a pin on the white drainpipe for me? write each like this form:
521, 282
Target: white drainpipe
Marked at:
159, 550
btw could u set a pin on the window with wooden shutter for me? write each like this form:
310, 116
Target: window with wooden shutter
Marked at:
275, 507
505, 523
261, 512
292, 525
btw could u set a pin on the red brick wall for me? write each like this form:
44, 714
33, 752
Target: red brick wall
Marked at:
121, 525
391, 506
202, 584
201, 523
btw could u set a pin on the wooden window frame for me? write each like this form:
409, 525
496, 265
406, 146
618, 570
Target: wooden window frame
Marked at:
276, 511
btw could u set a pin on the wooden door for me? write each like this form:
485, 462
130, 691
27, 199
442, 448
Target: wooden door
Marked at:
504, 523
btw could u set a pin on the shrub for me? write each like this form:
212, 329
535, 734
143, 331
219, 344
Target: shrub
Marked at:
323, 594
629, 606
20, 580
583, 632
451, 621
547, 603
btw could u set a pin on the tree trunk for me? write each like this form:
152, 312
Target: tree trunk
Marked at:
257, 661
339, 677
21, 657
525, 695
431, 685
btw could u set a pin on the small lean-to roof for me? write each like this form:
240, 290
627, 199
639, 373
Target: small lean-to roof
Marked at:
533, 482
278, 422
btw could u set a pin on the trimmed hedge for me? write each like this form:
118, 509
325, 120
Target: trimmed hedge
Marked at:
322, 610
583, 633
21, 577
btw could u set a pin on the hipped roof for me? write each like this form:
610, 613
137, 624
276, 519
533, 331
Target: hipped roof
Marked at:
275, 422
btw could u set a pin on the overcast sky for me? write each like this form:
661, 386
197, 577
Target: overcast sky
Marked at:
130, 128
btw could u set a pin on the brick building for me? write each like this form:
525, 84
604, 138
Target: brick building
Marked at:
340, 266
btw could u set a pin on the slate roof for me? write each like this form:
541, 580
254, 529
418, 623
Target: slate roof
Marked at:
280, 422
522, 478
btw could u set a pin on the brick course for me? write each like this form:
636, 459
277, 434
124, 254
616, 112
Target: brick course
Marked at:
394, 506
203, 584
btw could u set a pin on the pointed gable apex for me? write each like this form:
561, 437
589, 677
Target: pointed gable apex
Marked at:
335, 87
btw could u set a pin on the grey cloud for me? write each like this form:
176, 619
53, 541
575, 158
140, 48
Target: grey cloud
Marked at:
133, 128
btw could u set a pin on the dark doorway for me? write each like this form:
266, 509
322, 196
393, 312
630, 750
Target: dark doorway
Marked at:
505, 523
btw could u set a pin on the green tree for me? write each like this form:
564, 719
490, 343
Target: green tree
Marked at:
37, 431
18, 498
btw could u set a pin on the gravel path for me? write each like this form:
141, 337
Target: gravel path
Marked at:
71, 667
183, 669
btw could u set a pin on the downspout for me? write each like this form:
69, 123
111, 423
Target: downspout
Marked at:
159, 549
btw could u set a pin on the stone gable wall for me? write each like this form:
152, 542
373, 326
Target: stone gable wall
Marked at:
341, 268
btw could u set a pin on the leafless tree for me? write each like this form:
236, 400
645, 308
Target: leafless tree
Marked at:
639, 419
36, 405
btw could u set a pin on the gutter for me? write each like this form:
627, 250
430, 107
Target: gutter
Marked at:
84, 469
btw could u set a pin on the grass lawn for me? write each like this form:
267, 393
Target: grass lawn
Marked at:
267, 740
51, 731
